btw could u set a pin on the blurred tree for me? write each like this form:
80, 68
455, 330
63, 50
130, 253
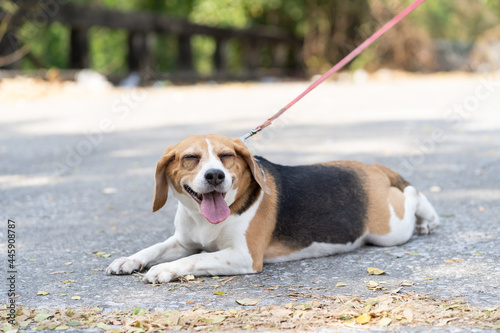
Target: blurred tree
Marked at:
330, 28
11, 49
333, 29
407, 46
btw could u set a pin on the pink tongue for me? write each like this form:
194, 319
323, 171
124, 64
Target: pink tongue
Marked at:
214, 207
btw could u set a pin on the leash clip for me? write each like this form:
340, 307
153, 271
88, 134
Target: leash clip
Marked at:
250, 133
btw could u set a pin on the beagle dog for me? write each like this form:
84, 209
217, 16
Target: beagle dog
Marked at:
237, 211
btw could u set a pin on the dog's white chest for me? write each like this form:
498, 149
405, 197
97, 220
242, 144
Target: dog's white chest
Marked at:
196, 230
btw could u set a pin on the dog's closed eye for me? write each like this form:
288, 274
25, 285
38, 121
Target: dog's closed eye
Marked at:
190, 161
226, 156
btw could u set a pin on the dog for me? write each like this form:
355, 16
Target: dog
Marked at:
237, 211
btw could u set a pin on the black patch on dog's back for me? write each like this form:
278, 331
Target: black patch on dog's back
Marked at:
317, 203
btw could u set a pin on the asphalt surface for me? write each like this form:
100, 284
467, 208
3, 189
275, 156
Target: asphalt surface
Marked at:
77, 177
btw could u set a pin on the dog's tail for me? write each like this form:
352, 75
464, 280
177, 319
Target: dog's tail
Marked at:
395, 178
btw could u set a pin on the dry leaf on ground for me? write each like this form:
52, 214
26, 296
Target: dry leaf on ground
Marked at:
393, 311
248, 301
363, 319
375, 271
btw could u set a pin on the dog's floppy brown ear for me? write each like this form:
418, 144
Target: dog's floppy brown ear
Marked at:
257, 173
161, 183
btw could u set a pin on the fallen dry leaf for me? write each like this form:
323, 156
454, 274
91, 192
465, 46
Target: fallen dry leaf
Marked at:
372, 285
452, 261
42, 315
42, 293
61, 328
408, 313
375, 271
316, 304
331, 312
248, 301
341, 284
102, 254
363, 319
138, 312
103, 326
280, 312
217, 319
384, 322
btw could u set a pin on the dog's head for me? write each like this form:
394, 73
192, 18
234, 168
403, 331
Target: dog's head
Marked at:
207, 172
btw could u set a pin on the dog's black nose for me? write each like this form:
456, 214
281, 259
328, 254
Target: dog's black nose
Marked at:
215, 176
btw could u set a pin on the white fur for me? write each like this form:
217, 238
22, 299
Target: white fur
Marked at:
427, 218
225, 243
319, 250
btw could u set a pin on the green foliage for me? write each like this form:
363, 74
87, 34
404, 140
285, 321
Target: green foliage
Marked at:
222, 13
205, 49
461, 20
50, 44
108, 49
165, 51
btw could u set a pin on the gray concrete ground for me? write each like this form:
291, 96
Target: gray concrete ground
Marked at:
76, 176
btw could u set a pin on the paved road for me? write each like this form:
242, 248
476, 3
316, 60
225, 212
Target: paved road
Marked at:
76, 176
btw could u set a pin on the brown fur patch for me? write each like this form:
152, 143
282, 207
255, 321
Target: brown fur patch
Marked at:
276, 249
248, 193
395, 178
261, 227
379, 215
245, 184
171, 166
384, 186
397, 200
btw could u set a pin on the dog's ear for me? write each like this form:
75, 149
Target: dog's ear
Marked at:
161, 183
257, 173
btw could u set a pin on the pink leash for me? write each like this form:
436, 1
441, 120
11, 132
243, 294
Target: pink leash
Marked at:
338, 66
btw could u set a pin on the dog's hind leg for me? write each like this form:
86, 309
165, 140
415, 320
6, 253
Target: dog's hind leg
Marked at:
427, 218
403, 207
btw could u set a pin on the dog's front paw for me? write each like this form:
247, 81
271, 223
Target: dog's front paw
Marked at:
160, 274
125, 265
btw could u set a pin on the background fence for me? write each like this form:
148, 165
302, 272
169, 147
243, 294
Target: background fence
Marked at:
264, 50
